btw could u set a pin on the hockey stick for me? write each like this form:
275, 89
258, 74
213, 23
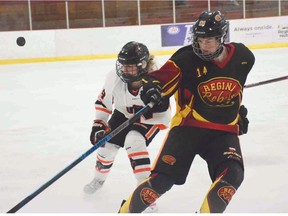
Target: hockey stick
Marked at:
266, 82
82, 157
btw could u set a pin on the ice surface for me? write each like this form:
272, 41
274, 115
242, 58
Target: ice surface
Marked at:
46, 111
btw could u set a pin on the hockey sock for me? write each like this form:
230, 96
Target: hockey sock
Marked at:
147, 193
223, 188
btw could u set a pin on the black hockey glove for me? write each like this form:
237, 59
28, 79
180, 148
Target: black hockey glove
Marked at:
162, 106
99, 129
150, 91
243, 120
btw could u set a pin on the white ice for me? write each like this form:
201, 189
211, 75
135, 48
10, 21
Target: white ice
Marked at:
46, 111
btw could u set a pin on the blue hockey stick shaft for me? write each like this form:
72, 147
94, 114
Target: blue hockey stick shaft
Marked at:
82, 157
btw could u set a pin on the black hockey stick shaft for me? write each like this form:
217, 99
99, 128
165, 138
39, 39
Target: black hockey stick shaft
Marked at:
82, 157
266, 82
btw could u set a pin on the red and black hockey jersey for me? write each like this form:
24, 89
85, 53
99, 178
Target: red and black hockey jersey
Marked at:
207, 94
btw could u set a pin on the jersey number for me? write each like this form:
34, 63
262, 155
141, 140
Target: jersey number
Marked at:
201, 72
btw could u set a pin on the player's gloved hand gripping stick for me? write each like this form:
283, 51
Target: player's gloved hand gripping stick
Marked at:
151, 90
99, 130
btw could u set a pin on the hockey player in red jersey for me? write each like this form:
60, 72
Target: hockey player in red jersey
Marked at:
207, 79
118, 101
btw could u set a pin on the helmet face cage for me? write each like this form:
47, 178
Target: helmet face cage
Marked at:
133, 53
209, 24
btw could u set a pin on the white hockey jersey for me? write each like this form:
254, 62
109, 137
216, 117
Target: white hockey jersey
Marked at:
115, 95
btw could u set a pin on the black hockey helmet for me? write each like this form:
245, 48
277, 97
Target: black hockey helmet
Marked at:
133, 53
209, 24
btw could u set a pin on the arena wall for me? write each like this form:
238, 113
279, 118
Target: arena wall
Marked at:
99, 43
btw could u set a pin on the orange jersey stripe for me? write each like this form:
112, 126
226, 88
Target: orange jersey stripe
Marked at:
103, 110
104, 161
137, 154
161, 126
102, 171
141, 125
151, 132
142, 170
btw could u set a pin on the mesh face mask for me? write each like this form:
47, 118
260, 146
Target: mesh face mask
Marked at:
133, 53
209, 24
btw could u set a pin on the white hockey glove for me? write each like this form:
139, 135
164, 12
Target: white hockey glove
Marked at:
99, 129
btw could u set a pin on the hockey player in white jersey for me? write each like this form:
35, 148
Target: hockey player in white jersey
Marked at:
118, 101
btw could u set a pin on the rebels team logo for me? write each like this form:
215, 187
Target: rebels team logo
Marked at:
226, 193
219, 91
218, 18
169, 159
148, 196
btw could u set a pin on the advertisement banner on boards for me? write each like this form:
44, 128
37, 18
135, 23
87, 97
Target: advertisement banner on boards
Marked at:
178, 34
260, 31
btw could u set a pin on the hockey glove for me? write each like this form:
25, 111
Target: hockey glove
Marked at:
162, 106
99, 129
150, 91
243, 120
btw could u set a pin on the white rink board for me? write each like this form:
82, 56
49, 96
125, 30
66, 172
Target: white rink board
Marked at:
99, 41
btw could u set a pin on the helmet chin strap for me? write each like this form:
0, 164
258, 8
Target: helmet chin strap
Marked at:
219, 51
221, 55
